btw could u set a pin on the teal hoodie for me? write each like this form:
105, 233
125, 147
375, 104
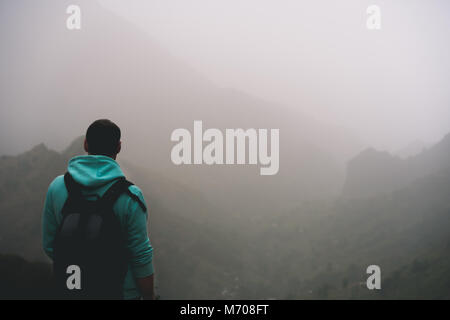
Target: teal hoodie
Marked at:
96, 174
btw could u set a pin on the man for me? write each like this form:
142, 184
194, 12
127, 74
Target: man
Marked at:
95, 173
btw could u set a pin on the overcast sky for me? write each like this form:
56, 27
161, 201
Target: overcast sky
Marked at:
389, 86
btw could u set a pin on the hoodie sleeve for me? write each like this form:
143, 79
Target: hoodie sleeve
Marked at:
138, 242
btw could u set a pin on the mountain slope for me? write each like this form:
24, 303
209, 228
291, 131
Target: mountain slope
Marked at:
317, 250
373, 172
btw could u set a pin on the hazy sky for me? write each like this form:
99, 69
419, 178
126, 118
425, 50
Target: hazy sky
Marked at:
389, 86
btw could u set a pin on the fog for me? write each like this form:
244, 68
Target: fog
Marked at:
362, 117
389, 87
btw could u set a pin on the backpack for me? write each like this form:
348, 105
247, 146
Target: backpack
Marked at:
90, 255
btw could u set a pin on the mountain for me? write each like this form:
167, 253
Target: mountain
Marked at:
23, 185
373, 172
319, 249
324, 249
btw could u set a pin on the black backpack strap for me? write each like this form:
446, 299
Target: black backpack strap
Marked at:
136, 198
75, 197
73, 187
113, 193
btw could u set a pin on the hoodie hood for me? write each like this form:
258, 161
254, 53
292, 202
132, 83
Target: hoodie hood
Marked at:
94, 171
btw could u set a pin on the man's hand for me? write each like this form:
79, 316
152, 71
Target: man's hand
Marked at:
146, 287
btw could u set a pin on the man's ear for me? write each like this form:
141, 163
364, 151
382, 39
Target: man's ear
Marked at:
119, 147
86, 147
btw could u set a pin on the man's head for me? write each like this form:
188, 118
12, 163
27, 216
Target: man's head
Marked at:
103, 138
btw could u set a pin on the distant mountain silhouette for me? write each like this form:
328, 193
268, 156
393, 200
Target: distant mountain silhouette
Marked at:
372, 172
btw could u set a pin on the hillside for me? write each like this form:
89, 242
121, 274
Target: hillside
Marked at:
373, 172
319, 249
324, 249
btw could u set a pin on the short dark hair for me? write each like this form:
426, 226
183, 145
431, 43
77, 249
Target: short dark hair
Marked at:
103, 137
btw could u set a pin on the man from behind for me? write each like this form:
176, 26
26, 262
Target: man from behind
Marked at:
94, 225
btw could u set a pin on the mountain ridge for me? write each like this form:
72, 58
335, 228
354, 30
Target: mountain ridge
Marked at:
373, 172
